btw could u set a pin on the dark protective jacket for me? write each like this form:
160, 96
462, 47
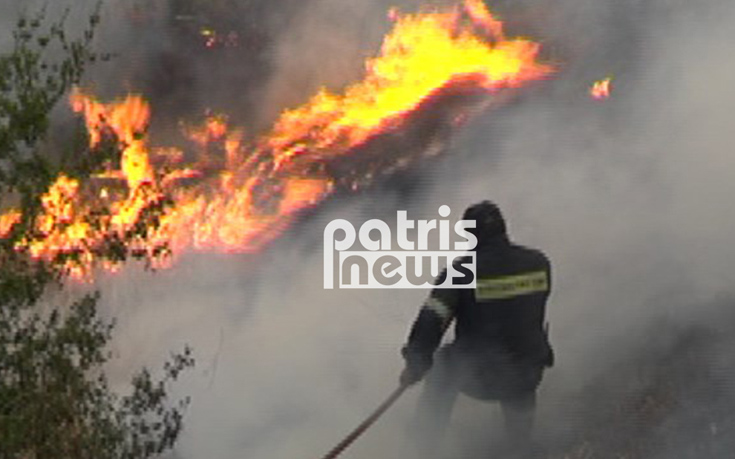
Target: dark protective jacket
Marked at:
504, 315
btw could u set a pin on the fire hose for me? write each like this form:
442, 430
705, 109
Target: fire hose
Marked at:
365, 425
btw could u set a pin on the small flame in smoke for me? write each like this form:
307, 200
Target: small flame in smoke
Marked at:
601, 89
7, 221
212, 38
250, 197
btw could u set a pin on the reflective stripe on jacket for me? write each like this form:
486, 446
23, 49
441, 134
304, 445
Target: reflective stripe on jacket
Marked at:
505, 312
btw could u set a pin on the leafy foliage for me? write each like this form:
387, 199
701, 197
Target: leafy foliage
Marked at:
30, 86
55, 397
56, 400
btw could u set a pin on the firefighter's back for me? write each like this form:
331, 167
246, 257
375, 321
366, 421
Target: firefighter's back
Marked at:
506, 312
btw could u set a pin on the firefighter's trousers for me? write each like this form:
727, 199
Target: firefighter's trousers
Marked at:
491, 377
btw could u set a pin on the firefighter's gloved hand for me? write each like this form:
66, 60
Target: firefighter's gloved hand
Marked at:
417, 365
411, 375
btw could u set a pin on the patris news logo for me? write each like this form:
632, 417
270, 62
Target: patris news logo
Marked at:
379, 263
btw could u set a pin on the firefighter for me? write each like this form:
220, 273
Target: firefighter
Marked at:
501, 345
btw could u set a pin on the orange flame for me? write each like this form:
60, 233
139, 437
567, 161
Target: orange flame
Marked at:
78, 227
601, 89
216, 130
424, 52
7, 221
129, 121
249, 198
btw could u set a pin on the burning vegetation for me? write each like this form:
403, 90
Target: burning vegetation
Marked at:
238, 193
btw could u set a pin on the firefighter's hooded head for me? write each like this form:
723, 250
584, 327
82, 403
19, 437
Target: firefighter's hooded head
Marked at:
489, 221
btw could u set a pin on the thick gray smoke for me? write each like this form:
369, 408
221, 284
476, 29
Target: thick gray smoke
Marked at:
631, 199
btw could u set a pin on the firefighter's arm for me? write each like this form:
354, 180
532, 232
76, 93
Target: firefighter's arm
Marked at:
550, 357
427, 331
544, 353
